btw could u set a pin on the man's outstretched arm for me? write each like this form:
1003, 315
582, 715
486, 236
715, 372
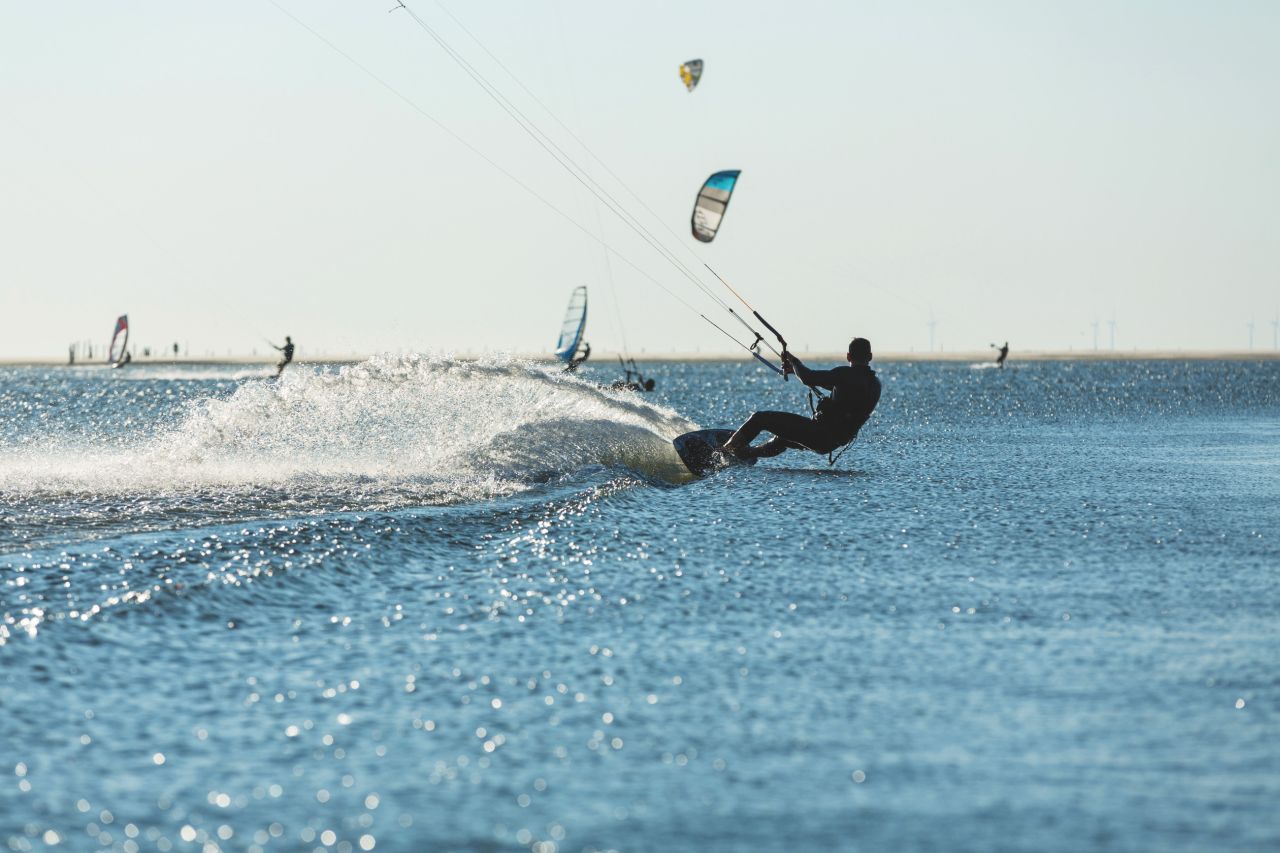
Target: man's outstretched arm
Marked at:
820, 378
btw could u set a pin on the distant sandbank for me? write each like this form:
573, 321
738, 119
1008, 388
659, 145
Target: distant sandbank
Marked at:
608, 359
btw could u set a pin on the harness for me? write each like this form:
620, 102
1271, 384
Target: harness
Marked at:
816, 394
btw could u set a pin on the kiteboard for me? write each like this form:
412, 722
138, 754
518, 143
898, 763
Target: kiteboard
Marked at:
698, 451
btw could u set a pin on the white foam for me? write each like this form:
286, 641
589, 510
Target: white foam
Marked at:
445, 429
198, 372
147, 373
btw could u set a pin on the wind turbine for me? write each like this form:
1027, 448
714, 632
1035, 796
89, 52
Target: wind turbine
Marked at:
1250, 325
1095, 333
1112, 324
932, 324
1275, 332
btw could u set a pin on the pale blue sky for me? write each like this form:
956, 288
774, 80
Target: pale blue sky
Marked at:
1019, 169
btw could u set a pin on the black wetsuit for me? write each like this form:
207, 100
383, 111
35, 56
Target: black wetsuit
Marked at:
583, 353
287, 351
854, 394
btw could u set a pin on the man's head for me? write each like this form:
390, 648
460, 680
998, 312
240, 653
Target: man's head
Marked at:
288, 340
859, 351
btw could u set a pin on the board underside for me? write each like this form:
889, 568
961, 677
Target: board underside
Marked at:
697, 450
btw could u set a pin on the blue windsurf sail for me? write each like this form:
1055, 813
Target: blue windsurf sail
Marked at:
575, 322
713, 200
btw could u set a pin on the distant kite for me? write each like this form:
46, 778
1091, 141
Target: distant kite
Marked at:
691, 73
712, 201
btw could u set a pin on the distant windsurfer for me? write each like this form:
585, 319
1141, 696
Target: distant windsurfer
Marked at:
855, 391
1003, 354
583, 353
287, 355
118, 357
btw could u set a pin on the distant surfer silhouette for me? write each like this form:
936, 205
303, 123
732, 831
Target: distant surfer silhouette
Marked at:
287, 351
583, 353
632, 385
1004, 353
855, 391
633, 379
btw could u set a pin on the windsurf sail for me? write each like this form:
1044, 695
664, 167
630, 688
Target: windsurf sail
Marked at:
575, 321
119, 340
691, 73
713, 200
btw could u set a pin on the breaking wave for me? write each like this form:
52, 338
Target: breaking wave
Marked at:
426, 428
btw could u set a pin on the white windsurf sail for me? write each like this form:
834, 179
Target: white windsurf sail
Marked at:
575, 322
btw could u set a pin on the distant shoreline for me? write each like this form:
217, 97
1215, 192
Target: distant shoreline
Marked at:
607, 359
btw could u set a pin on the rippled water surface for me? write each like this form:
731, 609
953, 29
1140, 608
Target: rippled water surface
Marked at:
416, 604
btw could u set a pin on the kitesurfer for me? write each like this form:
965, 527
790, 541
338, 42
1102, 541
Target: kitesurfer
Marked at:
287, 351
633, 379
632, 385
1004, 353
855, 390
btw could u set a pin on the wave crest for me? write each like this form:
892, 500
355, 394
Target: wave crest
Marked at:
446, 429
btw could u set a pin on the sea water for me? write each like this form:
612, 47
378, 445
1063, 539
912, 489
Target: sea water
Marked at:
420, 604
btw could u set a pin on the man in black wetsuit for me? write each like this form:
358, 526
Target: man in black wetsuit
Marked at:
633, 379
855, 390
1004, 353
579, 357
287, 350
